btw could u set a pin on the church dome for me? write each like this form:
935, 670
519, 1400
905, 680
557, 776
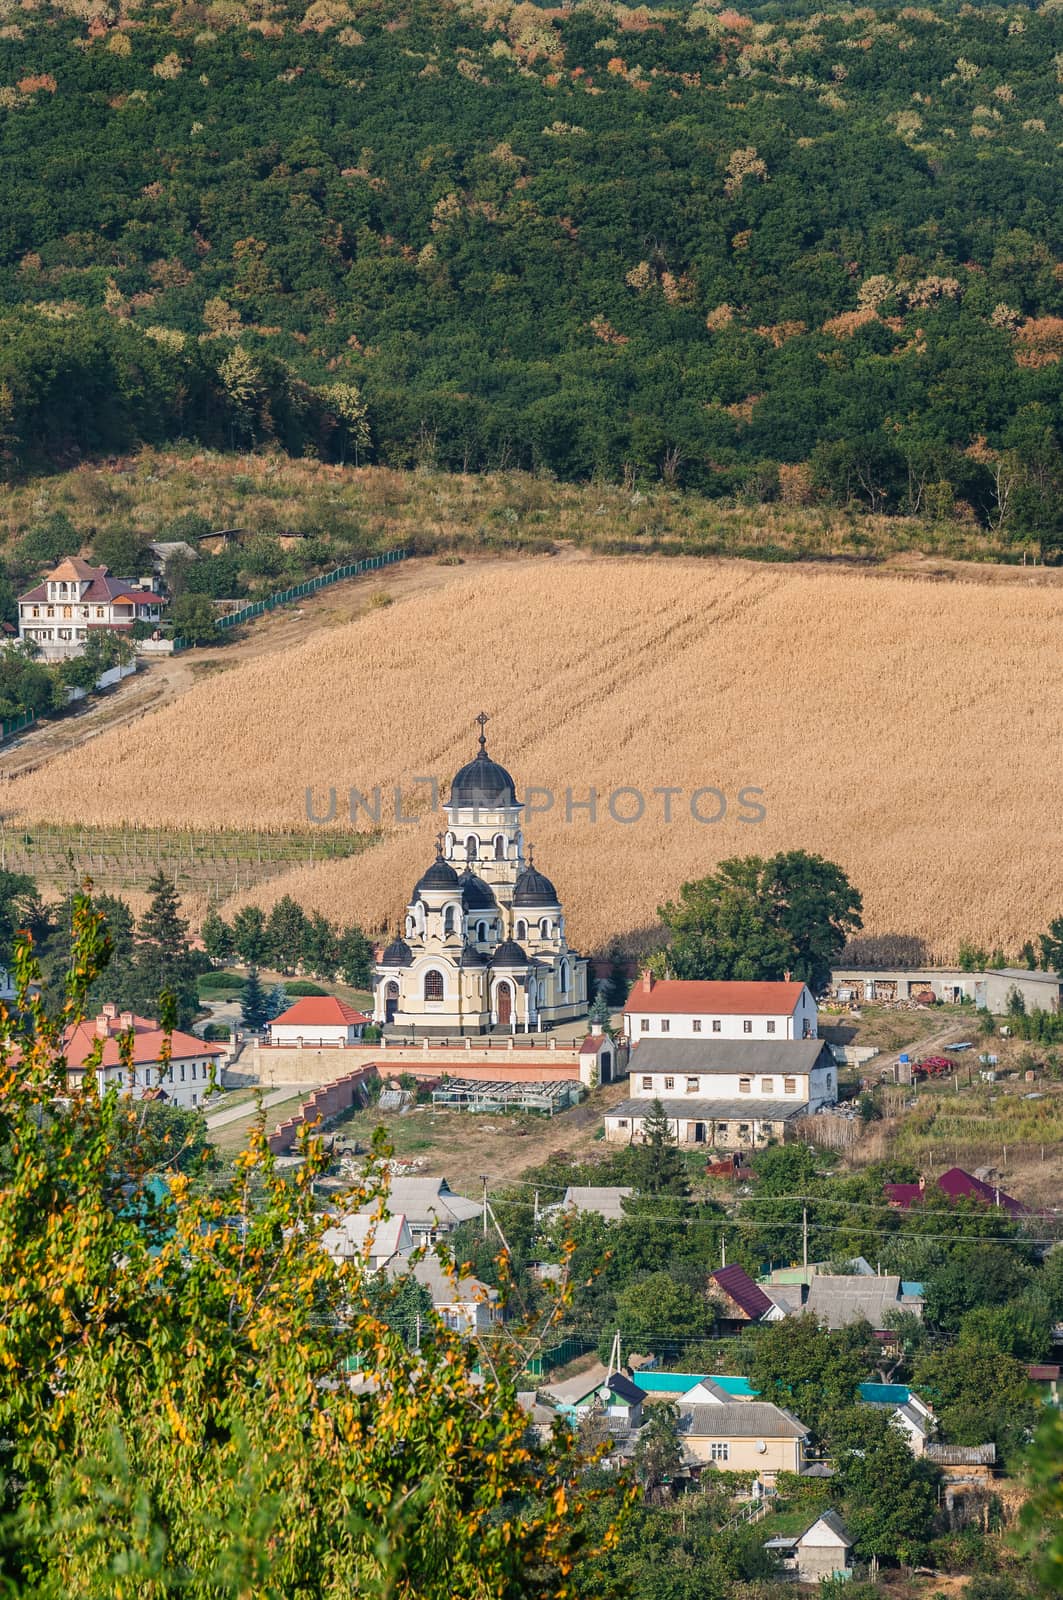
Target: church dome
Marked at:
440, 875
476, 895
509, 954
532, 888
482, 782
397, 954
471, 957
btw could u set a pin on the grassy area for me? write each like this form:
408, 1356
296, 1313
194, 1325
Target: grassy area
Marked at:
220, 985
375, 508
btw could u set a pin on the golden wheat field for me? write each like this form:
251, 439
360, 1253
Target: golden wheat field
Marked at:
908, 730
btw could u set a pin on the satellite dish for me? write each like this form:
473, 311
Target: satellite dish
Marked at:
761, 1447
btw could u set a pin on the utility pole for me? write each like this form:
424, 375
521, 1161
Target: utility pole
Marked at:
804, 1239
535, 1211
723, 1250
483, 1180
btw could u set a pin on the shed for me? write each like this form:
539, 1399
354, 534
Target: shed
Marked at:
822, 1550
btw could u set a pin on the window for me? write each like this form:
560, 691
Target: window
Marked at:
693, 1085
747, 1026
448, 919
771, 1026
433, 985
696, 1025
522, 930
471, 847
481, 933
644, 1024
100, 611
789, 1086
666, 1025
182, 1072
647, 1083
500, 847
563, 978
767, 1085
621, 1122
745, 1085
669, 1083
721, 1130
716, 1024
193, 1071
719, 1450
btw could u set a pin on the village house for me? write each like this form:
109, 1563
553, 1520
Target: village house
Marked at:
732, 1094
74, 598
378, 1241
955, 1184
318, 1020
738, 1300
744, 1436
465, 1304
691, 1009
605, 1200
907, 1411
431, 1209
839, 1301
992, 989
823, 1550
185, 1080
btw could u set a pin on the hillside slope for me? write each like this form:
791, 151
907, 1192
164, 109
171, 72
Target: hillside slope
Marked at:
911, 731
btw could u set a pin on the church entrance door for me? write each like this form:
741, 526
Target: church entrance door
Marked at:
504, 1004
391, 1001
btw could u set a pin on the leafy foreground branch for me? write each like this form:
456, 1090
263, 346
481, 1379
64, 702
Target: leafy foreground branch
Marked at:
176, 1415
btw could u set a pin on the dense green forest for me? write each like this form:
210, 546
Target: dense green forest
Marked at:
803, 253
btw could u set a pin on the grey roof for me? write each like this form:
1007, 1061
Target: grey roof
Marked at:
476, 895
567, 1391
427, 1200
444, 1289
838, 1301
787, 1297
482, 782
605, 1200
533, 888
962, 1455
440, 875
752, 1108
771, 1056
833, 1521
920, 1423
1025, 973
509, 954
397, 954
742, 1419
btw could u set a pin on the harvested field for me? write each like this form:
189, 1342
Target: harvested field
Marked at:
910, 731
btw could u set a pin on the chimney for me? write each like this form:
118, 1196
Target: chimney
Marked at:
647, 982
126, 1019
103, 1024
109, 1010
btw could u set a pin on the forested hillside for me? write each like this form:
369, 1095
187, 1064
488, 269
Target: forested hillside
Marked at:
770, 251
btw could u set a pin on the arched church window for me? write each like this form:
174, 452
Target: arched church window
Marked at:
449, 922
433, 985
563, 978
544, 928
522, 930
448, 846
481, 932
500, 847
471, 847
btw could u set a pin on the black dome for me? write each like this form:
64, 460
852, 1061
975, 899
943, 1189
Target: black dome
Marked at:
482, 782
471, 957
440, 875
509, 954
476, 895
533, 889
397, 954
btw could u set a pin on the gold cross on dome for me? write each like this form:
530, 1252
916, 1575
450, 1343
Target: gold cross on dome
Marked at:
483, 720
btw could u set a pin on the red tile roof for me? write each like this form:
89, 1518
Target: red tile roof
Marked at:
319, 1011
102, 587
723, 999
148, 1037
739, 1286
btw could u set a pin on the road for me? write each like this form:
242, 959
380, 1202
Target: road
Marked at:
247, 1108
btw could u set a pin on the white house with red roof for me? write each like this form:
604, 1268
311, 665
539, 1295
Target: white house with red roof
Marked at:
95, 1045
688, 1009
318, 1020
76, 597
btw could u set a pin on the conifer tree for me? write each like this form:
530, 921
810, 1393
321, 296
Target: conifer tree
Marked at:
217, 937
660, 1165
254, 1006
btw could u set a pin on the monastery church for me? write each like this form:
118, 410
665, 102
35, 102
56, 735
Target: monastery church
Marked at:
484, 947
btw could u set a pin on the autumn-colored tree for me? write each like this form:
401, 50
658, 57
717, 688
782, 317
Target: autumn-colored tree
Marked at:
195, 1399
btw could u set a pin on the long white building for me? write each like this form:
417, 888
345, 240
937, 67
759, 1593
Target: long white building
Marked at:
728, 1093
686, 1009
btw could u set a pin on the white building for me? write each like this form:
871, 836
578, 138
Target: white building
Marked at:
429, 1205
727, 1093
318, 1020
186, 1080
483, 947
377, 1241
58, 614
709, 1010
466, 1305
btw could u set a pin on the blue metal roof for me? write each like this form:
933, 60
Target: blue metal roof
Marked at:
885, 1394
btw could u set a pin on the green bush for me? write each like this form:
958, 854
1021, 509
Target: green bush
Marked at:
299, 987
